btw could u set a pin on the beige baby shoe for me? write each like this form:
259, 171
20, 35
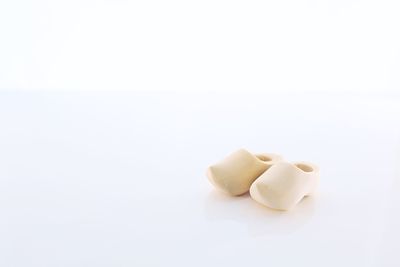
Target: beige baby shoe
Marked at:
285, 184
235, 174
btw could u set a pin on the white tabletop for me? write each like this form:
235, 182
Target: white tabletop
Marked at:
118, 179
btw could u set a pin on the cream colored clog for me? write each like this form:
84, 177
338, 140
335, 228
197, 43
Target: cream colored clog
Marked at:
285, 184
235, 174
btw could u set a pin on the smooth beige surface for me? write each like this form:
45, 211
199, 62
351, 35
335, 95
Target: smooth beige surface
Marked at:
235, 174
285, 184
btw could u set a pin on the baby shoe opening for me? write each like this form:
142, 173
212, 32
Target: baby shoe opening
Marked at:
263, 157
304, 167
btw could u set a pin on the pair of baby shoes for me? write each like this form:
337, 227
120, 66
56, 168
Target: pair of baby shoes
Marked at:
271, 180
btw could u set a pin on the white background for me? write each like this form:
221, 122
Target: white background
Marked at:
94, 177
200, 45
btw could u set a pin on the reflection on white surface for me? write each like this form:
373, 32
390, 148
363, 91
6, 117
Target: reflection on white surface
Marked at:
117, 179
258, 219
